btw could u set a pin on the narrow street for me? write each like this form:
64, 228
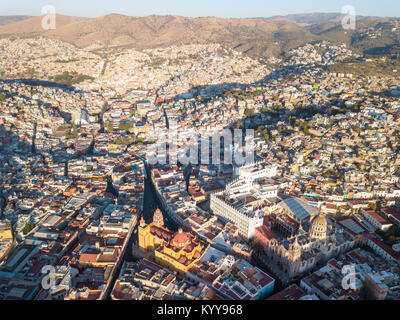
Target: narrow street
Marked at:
150, 202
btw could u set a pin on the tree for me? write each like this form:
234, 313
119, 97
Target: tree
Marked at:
71, 78
292, 121
379, 205
305, 127
125, 141
140, 141
249, 113
28, 228
257, 246
72, 134
125, 126
390, 236
266, 137
109, 127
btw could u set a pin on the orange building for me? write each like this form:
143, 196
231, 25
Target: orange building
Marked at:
175, 251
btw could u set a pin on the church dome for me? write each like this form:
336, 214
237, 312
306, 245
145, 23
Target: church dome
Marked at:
181, 239
320, 221
319, 227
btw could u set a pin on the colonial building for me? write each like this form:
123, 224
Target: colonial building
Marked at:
292, 257
247, 199
175, 251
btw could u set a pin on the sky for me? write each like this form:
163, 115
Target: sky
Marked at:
199, 8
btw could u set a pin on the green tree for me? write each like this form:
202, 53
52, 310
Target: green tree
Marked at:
249, 113
140, 141
125, 126
108, 127
72, 134
266, 137
257, 246
28, 228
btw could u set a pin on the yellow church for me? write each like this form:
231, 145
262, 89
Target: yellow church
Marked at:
176, 251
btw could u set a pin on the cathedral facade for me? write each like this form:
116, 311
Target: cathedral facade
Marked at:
305, 250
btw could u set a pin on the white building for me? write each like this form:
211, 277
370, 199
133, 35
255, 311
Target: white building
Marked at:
256, 171
244, 202
247, 219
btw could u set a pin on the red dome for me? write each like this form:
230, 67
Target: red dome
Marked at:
181, 238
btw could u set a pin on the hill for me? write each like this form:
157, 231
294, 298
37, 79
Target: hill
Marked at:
258, 37
310, 18
10, 19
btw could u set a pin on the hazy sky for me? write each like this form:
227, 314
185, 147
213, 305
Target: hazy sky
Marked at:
196, 8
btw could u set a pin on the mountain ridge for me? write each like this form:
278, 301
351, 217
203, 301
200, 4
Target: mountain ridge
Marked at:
258, 37
4, 20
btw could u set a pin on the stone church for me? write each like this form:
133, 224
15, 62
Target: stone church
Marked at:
301, 253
